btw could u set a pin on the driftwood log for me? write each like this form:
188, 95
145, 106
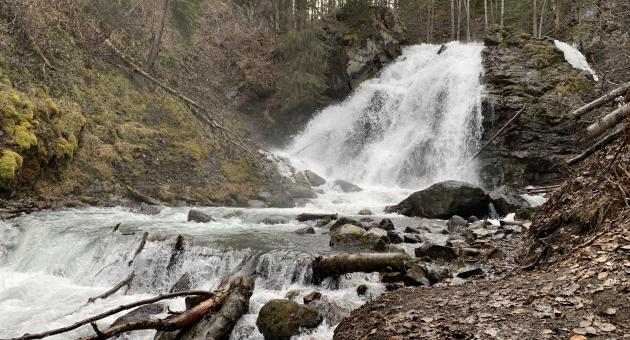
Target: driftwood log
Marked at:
601, 100
221, 323
609, 121
335, 265
112, 312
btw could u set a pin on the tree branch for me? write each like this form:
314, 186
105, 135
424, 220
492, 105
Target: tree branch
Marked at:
125, 282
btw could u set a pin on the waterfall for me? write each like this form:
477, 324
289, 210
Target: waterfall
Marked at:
574, 57
416, 124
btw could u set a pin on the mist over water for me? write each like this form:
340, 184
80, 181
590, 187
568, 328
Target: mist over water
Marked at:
414, 125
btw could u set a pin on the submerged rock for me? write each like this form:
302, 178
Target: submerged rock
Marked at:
346, 186
443, 200
345, 220
312, 296
314, 178
305, 230
386, 224
273, 220
199, 216
365, 212
282, 319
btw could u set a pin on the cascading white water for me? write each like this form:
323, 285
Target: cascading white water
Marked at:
414, 125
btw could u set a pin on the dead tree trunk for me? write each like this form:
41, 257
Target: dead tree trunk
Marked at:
157, 37
335, 265
220, 325
601, 100
597, 146
125, 282
609, 121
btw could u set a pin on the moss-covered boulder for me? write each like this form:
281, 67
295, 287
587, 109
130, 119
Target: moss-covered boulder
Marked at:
10, 165
281, 319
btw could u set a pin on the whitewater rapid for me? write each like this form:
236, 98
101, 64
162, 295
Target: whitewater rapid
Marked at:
416, 124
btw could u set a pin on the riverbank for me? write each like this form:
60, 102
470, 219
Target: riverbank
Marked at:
572, 281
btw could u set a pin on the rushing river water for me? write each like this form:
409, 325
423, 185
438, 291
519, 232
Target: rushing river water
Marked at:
414, 125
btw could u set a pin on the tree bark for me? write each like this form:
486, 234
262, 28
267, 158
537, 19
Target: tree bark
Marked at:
467, 20
485, 13
335, 265
220, 325
126, 282
452, 19
157, 38
591, 150
542, 16
502, 10
601, 100
535, 15
110, 313
609, 121
177, 322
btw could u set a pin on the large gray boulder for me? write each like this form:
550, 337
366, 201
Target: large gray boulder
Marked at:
300, 187
346, 186
282, 319
443, 200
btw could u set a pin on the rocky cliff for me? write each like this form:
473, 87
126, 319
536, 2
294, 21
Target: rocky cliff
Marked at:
533, 75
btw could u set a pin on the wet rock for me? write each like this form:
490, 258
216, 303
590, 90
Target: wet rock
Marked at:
390, 248
443, 200
366, 220
345, 220
310, 217
183, 284
314, 179
394, 237
281, 200
346, 186
362, 290
149, 209
437, 274
238, 213
392, 277
410, 230
273, 220
456, 223
506, 200
347, 235
390, 287
312, 296
140, 313
386, 224
375, 236
305, 230
467, 273
256, 204
436, 252
282, 319
472, 219
291, 295
412, 238
416, 276
323, 222
333, 311
365, 212
199, 216
300, 187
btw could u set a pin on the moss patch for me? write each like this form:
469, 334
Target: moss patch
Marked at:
10, 165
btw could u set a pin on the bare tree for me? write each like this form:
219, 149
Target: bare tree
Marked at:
485, 12
542, 16
535, 22
459, 18
157, 37
468, 20
452, 19
502, 10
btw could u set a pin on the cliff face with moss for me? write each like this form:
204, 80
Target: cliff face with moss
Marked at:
533, 75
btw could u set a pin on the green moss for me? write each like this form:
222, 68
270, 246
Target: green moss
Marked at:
10, 165
23, 137
237, 171
575, 84
544, 54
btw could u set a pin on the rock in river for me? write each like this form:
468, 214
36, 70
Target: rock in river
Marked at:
346, 186
199, 216
436, 252
347, 235
314, 178
282, 319
443, 200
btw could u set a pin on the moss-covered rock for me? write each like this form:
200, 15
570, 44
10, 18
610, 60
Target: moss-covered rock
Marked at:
282, 319
10, 165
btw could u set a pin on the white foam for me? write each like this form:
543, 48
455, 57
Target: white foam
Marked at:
575, 58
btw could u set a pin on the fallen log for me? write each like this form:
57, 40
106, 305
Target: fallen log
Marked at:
174, 323
310, 217
601, 100
112, 312
335, 265
595, 147
497, 134
608, 121
542, 190
220, 325
145, 235
125, 282
142, 198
